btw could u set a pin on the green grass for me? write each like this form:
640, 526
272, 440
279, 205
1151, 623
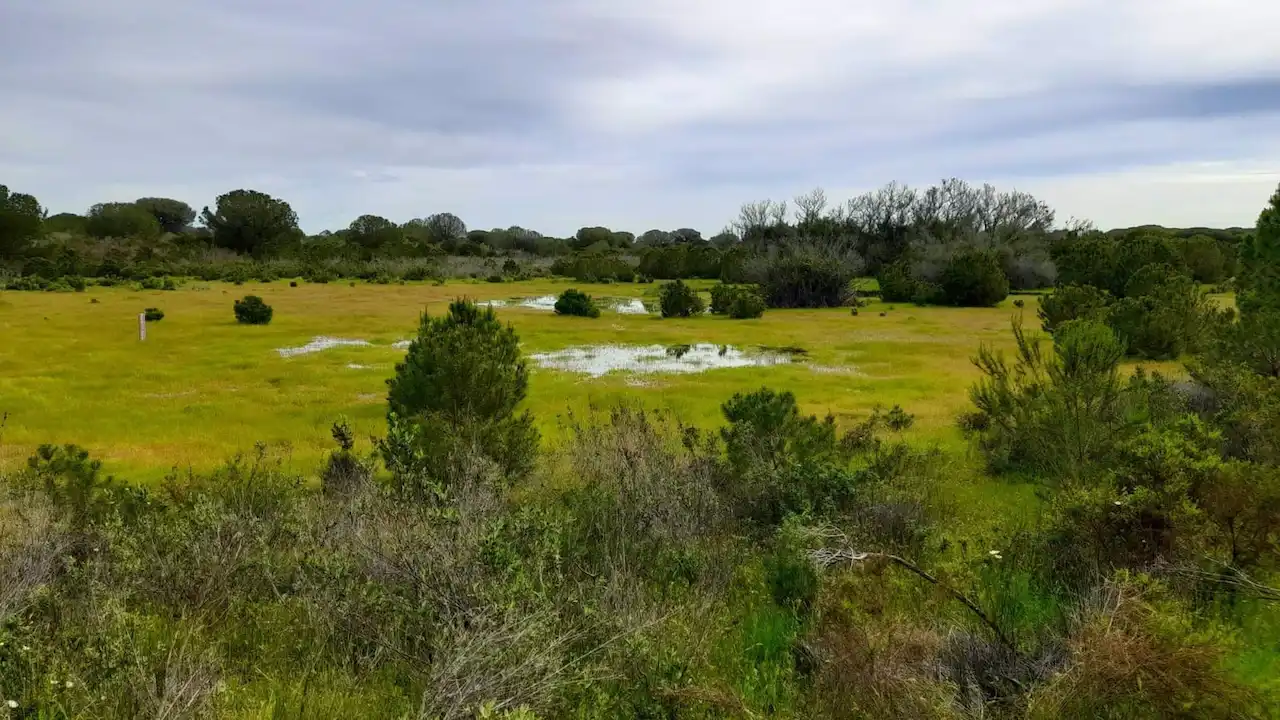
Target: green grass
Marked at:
202, 387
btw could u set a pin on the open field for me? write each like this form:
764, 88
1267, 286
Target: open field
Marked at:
201, 387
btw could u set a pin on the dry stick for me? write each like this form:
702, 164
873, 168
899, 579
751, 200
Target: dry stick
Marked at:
824, 558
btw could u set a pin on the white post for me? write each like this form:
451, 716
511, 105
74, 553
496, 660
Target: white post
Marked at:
142, 326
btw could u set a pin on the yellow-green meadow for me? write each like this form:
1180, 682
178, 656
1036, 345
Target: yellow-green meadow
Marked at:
202, 387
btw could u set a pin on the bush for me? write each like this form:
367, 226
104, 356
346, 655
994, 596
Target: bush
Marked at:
252, 311
453, 399
737, 302
1163, 314
495, 278
576, 302
75, 282
974, 278
806, 275
153, 314
1073, 302
680, 300
746, 304
721, 297
1060, 415
897, 282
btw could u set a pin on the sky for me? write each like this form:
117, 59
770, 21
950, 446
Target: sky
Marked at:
638, 114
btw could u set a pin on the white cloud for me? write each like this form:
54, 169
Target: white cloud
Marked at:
638, 114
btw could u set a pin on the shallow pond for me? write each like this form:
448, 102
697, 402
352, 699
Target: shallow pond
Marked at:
599, 360
622, 306
321, 343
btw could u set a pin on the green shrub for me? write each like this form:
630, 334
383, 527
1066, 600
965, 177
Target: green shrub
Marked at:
974, 278
153, 314
1073, 302
804, 275
495, 278
680, 300
75, 282
576, 302
1162, 315
453, 399
252, 311
158, 283
746, 304
897, 282
737, 301
1059, 415
721, 297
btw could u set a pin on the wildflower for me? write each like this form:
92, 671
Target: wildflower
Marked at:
995, 554
13, 704
70, 684
26, 648
1117, 503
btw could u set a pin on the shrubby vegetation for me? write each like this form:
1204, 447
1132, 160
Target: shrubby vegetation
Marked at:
679, 300
251, 310
737, 301
576, 302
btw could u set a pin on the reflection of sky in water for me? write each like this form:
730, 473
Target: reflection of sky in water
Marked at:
622, 306
320, 343
598, 360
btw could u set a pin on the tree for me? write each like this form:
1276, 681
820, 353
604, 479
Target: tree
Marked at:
445, 229
590, 236
174, 216
373, 233
121, 220
459, 387
652, 238
686, 235
20, 218
66, 223
248, 221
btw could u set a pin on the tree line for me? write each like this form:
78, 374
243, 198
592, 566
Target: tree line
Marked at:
951, 243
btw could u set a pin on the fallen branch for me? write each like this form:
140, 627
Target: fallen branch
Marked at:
824, 558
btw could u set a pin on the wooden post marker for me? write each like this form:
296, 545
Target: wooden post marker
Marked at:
142, 326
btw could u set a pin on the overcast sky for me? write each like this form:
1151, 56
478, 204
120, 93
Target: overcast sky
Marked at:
553, 114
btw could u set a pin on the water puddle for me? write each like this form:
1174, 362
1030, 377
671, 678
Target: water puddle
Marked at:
321, 343
632, 306
599, 360
622, 306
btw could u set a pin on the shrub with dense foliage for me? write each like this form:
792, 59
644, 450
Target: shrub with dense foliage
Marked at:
251, 310
453, 399
153, 314
738, 302
679, 300
804, 274
576, 302
973, 278
1073, 302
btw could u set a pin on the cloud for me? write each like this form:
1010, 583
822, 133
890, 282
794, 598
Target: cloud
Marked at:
636, 114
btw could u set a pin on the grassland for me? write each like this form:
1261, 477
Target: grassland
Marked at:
201, 387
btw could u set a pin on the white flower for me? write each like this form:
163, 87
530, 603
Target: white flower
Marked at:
995, 554
1118, 503
13, 704
70, 684
26, 648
